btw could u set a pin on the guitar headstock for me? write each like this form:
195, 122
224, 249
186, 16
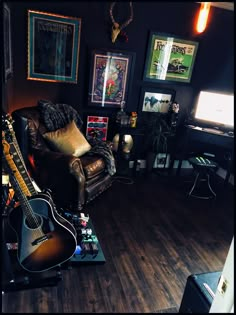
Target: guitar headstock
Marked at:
7, 128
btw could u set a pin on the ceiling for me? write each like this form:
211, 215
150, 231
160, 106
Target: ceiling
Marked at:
223, 5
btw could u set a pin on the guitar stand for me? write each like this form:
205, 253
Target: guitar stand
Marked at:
23, 280
28, 282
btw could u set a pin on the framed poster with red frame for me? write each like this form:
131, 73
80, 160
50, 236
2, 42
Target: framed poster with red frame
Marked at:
97, 127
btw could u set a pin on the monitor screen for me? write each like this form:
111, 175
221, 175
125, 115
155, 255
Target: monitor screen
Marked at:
215, 109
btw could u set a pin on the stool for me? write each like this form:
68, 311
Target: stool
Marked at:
203, 167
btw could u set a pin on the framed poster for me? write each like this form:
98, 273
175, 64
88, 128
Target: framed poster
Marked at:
8, 66
156, 100
110, 77
97, 127
169, 58
53, 47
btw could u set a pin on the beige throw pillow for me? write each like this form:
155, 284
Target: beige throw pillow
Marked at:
68, 140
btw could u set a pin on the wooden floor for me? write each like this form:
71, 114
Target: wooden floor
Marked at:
153, 238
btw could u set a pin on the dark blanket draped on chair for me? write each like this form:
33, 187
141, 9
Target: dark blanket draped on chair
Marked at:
56, 116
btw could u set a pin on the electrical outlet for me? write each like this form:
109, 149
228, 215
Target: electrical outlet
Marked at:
222, 286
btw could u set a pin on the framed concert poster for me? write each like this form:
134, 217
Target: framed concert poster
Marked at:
110, 77
53, 47
97, 127
169, 58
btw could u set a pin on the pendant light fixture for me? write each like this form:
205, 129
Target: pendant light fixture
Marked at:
203, 16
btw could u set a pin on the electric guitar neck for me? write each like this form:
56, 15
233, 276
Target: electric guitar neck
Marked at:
28, 185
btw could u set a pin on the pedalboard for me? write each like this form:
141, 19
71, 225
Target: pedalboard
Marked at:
88, 248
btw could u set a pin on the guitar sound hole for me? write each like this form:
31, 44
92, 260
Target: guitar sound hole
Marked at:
33, 222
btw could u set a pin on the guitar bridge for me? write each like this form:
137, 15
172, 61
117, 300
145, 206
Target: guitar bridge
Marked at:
41, 239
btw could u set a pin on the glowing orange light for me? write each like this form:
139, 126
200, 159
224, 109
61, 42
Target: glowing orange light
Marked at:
203, 16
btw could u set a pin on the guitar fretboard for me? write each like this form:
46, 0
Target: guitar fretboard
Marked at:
18, 160
25, 180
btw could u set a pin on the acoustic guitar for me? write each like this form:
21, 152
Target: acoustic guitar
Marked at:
45, 239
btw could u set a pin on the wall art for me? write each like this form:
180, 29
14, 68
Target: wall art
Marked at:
110, 77
97, 127
156, 100
169, 58
8, 65
53, 47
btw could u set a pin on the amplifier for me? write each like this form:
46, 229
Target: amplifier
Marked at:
199, 292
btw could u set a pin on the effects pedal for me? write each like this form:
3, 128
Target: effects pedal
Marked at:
94, 248
85, 248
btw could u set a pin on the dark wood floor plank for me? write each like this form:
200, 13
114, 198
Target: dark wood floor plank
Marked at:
153, 237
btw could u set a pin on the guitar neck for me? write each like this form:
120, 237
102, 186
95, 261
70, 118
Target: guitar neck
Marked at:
18, 159
21, 167
16, 179
20, 188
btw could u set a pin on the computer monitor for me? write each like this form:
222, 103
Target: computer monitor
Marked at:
215, 110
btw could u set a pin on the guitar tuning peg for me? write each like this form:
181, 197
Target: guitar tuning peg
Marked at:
48, 192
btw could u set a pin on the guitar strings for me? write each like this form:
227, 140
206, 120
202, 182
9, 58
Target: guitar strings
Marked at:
18, 151
30, 185
13, 168
31, 218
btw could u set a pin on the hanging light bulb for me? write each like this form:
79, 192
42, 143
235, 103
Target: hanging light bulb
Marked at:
203, 16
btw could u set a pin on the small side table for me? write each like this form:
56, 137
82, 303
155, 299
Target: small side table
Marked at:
136, 133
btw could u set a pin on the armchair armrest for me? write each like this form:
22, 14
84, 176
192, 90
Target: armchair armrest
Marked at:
54, 159
53, 168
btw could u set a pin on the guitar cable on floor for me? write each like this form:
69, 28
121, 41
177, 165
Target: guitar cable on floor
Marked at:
123, 180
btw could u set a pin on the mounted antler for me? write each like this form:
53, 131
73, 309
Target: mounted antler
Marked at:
116, 27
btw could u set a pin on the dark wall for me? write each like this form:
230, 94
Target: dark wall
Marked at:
214, 61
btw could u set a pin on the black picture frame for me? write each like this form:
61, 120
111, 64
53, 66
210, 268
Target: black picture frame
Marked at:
8, 62
169, 58
156, 99
111, 74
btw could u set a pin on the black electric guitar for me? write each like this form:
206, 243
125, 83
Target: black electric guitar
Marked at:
45, 239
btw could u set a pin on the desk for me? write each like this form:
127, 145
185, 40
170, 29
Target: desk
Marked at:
198, 139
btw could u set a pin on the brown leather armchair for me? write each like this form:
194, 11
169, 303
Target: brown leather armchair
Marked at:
73, 181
